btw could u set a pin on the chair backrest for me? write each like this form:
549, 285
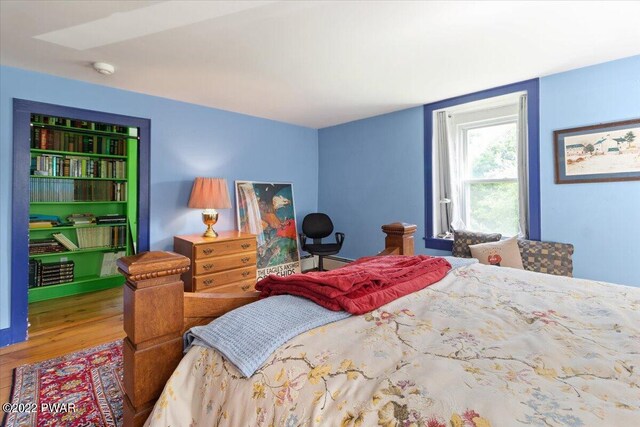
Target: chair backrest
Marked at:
547, 257
317, 226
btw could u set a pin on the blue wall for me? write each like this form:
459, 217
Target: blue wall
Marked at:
371, 172
602, 220
186, 141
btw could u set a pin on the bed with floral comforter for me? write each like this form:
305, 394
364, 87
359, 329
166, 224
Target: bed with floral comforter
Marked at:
485, 346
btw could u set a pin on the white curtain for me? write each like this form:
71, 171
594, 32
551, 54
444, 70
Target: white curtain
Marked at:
444, 169
457, 188
523, 167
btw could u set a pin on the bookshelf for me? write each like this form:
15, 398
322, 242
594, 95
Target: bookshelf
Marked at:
83, 188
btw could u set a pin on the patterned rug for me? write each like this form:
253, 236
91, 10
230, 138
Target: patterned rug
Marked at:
79, 389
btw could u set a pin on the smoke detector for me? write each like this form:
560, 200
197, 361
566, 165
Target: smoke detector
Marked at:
104, 68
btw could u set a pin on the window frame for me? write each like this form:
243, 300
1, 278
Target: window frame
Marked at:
533, 119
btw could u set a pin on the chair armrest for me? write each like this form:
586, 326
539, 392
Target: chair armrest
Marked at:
340, 238
303, 241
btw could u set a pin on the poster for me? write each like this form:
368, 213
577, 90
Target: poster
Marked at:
267, 210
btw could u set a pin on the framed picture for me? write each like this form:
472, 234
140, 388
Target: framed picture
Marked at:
267, 210
598, 153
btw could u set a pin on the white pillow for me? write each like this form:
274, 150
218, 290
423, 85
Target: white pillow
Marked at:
504, 253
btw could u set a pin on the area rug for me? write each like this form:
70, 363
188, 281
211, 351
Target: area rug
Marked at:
79, 389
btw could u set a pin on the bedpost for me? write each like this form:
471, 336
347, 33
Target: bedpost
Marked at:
153, 322
399, 240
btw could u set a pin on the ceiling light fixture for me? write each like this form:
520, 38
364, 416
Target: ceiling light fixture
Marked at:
104, 68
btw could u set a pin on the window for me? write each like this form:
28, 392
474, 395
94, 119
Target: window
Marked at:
481, 154
490, 176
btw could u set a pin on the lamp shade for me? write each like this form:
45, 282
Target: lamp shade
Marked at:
210, 193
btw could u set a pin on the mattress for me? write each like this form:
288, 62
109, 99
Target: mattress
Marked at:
485, 346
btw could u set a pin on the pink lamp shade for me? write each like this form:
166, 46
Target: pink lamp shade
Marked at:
210, 193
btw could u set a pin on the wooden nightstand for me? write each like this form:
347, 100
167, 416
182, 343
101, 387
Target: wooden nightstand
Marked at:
226, 263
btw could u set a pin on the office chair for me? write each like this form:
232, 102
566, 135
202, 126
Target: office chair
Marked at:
318, 226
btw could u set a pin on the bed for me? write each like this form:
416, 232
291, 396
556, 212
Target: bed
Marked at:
484, 346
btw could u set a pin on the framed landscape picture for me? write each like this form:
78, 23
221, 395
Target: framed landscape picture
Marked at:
267, 210
598, 153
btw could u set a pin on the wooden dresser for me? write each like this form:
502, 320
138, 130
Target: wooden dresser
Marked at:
226, 263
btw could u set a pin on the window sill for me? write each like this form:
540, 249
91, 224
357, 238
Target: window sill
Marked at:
435, 243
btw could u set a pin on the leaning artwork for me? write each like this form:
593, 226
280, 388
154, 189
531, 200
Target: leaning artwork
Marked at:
604, 152
267, 210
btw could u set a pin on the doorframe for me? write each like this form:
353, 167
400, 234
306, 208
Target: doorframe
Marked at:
22, 110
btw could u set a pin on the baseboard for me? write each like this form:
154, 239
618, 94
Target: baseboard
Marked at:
307, 263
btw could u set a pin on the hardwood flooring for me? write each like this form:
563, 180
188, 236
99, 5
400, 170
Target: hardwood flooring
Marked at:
62, 326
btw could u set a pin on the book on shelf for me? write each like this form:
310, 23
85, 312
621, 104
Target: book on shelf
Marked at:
109, 266
51, 273
41, 242
111, 219
44, 246
77, 167
70, 190
33, 273
81, 218
79, 124
78, 142
43, 217
46, 273
64, 241
102, 237
43, 221
40, 224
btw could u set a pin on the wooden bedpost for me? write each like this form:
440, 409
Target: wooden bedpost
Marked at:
153, 322
399, 240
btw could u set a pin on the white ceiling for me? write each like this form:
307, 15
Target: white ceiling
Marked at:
315, 64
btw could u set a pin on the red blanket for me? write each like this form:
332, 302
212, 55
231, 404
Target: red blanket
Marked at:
363, 285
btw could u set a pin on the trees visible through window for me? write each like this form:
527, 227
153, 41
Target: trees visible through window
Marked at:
491, 177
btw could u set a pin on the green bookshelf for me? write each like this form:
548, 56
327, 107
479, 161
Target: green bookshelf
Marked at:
80, 167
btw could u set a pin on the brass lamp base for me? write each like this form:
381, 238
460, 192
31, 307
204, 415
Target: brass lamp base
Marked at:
209, 218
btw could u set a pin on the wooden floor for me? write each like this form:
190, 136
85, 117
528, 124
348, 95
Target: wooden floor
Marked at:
62, 326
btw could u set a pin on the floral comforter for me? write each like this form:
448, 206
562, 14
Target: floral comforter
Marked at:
485, 346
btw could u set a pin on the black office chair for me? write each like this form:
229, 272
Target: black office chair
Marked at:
318, 226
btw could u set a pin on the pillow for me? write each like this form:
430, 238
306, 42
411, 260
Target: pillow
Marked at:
505, 253
462, 240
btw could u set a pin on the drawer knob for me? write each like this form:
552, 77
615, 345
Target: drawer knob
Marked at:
245, 273
246, 287
245, 260
208, 281
207, 251
207, 266
245, 245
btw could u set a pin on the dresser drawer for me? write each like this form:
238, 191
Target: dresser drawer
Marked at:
245, 286
223, 248
224, 277
225, 262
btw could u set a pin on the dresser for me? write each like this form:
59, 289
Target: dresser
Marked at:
226, 263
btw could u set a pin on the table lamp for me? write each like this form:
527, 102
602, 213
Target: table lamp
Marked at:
209, 194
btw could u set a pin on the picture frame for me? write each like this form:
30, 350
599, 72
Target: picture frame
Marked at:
605, 152
267, 209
